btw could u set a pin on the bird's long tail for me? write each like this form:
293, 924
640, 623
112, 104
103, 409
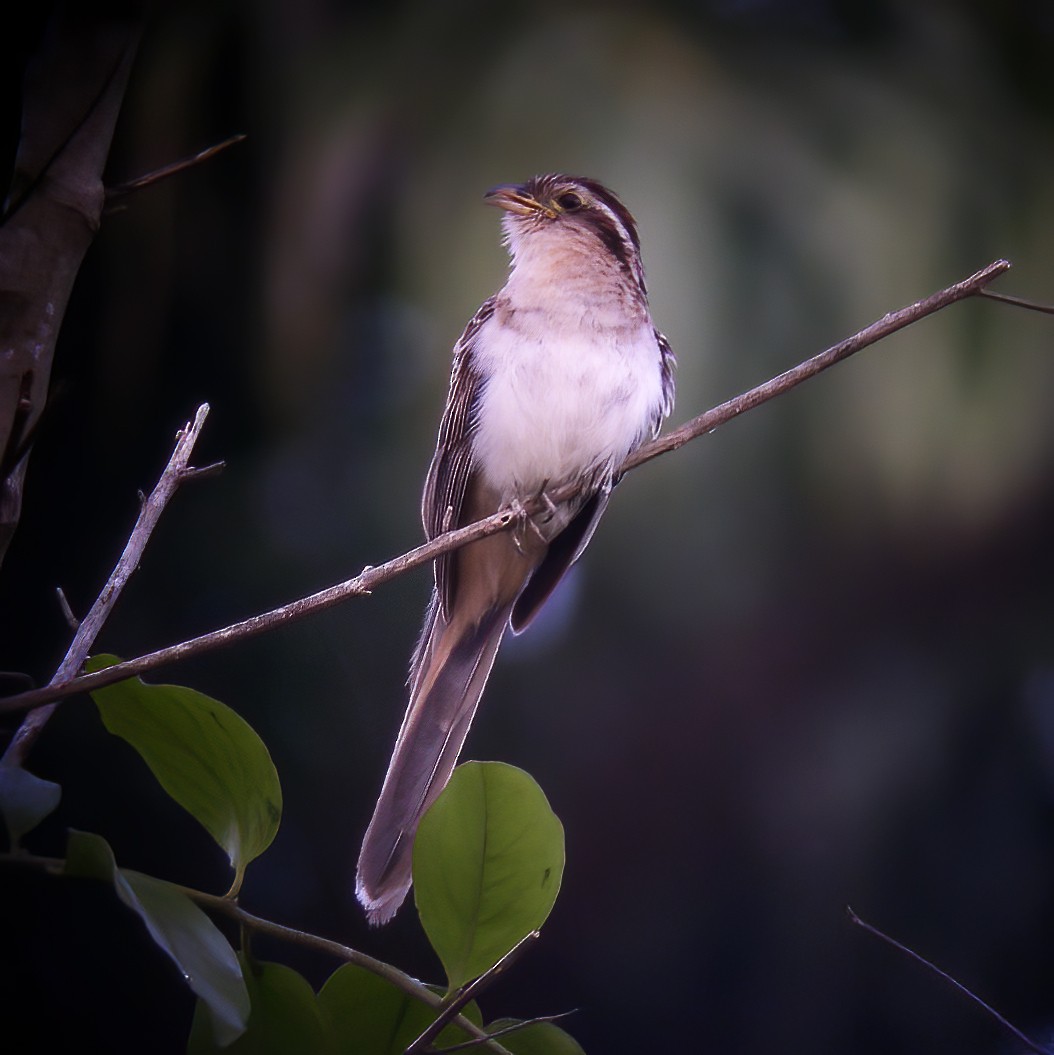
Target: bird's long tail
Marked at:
447, 677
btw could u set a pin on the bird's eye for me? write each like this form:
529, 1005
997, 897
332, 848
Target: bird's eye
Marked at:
569, 201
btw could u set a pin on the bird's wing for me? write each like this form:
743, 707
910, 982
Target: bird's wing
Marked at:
451, 468
564, 549
667, 366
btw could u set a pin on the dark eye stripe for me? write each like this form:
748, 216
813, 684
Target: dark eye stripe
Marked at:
605, 197
616, 229
609, 234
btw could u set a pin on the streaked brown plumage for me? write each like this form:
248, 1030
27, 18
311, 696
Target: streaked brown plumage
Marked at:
556, 379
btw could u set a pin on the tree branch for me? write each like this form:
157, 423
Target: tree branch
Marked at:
230, 908
177, 470
371, 577
411, 986
360, 586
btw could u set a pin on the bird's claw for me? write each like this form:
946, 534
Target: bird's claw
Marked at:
550, 505
525, 521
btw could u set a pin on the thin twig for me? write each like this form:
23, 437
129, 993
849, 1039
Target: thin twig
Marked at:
1018, 302
84, 638
452, 1005
371, 577
200, 472
122, 190
67, 611
515, 1027
1005, 1023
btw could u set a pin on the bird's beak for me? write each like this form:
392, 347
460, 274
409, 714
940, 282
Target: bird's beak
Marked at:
515, 199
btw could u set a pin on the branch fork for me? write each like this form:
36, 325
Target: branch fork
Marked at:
176, 472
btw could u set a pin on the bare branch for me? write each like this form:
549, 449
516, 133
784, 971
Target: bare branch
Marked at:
149, 513
399, 979
362, 585
1005, 1023
371, 577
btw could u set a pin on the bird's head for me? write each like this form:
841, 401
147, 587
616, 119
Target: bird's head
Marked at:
571, 213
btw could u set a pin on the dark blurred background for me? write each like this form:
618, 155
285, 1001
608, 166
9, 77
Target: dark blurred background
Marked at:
808, 660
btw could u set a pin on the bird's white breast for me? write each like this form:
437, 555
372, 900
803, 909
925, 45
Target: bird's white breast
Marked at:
563, 396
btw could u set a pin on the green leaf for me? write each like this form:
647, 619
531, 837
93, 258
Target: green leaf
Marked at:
488, 860
285, 1018
538, 1038
193, 942
204, 755
25, 801
365, 1013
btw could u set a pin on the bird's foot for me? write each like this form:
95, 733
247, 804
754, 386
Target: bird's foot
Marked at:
550, 505
525, 522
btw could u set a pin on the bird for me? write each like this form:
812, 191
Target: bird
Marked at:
556, 379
